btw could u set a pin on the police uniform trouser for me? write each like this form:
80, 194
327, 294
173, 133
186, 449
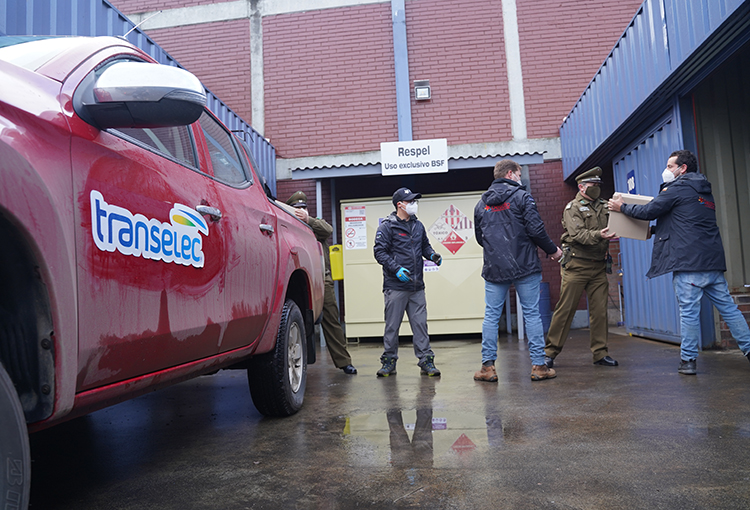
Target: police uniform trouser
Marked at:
334, 335
581, 275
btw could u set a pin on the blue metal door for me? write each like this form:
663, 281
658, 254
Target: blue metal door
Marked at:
650, 304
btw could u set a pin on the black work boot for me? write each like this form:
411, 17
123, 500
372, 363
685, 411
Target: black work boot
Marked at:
428, 366
389, 367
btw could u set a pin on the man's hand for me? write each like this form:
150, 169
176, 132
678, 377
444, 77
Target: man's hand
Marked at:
606, 235
301, 213
436, 258
557, 255
614, 204
403, 275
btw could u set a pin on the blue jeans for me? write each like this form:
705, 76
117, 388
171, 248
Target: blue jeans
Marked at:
527, 289
689, 286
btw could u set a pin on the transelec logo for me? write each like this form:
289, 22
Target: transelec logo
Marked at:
116, 228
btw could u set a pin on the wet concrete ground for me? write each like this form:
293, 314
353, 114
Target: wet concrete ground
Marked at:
638, 436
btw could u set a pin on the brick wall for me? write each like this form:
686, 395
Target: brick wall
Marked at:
221, 63
330, 81
726, 341
459, 47
551, 194
563, 43
286, 188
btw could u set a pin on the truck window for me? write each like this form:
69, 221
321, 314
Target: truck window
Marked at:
225, 157
174, 142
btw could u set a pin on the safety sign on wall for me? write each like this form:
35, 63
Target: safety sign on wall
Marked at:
452, 229
355, 227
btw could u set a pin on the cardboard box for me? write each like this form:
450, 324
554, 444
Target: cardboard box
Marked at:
626, 226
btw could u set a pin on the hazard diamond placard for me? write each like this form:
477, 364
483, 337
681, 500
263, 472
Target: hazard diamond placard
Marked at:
452, 229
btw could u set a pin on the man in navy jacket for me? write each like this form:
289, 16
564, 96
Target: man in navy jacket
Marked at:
688, 244
509, 229
400, 244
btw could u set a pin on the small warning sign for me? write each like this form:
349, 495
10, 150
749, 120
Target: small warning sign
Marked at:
452, 229
355, 227
453, 242
463, 445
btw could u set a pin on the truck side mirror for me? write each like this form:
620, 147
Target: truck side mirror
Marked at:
129, 94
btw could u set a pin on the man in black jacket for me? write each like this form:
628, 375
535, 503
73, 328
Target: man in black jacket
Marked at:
688, 244
400, 244
509, 229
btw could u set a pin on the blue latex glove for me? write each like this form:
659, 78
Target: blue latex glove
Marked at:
403, 275
436, 258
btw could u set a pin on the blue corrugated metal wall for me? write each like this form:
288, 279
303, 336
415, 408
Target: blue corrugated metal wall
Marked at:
661, 36
650, 304
99, 17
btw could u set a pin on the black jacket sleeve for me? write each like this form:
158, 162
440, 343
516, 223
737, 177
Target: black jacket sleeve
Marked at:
535, 226
383, 248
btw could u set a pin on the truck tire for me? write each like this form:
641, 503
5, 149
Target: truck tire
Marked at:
15, 461
277, 379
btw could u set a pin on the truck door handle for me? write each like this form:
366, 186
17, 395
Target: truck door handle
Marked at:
266, 228
213, 212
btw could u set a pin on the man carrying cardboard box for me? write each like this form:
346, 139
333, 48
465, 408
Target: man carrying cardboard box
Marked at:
687, 243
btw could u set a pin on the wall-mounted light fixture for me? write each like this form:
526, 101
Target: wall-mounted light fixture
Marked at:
422, 90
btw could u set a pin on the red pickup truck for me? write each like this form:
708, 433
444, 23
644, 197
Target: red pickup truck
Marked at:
139, 247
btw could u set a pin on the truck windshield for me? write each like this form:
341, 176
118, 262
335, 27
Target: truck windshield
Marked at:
31, 52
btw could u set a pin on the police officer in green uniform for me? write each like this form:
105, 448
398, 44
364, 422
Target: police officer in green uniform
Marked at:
585, 243
332, 330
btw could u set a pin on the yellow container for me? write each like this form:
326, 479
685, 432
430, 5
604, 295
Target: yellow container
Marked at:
337, 261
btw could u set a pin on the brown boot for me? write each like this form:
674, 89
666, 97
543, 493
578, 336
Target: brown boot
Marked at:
487, 373
541, 372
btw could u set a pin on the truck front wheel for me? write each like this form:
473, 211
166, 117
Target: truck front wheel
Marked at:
278, 378
15, 463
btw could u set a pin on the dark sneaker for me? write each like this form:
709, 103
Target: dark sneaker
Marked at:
428, 366
687, 367
606, 361
389, 367
550, 362
748, 356
487, 373
541, 372
349, 369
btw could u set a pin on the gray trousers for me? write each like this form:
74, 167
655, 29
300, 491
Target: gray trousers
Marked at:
396, 302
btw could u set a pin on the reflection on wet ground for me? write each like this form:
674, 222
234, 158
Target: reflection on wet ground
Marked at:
634, 436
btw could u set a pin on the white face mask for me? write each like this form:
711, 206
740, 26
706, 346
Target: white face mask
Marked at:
411, 208
667, 175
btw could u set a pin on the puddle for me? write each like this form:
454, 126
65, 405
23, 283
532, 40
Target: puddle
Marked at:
421, 437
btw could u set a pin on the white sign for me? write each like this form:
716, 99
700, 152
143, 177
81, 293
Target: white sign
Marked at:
355, 227
420, 157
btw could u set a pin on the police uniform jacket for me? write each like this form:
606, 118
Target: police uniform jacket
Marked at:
400, 243
582, 221
322, 230
509, 229
686, 237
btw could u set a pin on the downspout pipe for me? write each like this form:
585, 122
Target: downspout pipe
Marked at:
401, 64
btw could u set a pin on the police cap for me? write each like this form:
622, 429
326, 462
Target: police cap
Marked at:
299, 199
594, 175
